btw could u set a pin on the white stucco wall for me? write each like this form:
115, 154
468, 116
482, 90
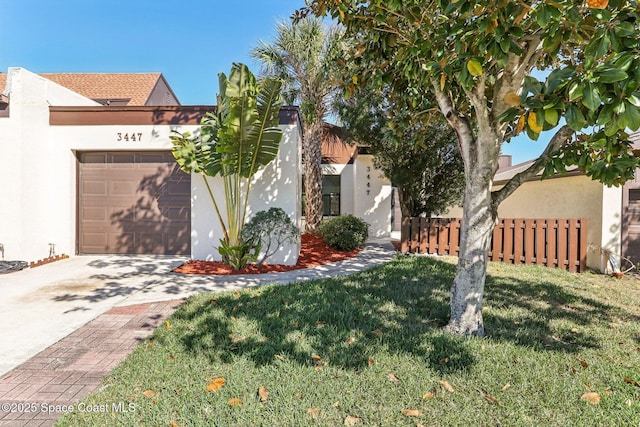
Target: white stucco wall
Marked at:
277, 185
372, 196
39, 164
33, 194
365, 193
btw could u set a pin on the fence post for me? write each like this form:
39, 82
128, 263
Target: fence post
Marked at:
405, 230
573, 245
583, 245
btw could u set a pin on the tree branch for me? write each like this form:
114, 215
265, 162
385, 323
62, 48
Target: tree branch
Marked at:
559, 139
512, 77
460, 125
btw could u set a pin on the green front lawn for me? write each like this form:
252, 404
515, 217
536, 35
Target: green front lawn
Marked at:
368, 350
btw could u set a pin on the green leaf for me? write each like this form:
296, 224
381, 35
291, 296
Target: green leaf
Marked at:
551, 117
474, 67
543, 15
591, 97
632, 117
575, 118
610, 75
634, 99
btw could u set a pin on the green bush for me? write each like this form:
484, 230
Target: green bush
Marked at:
270, 229
345, 232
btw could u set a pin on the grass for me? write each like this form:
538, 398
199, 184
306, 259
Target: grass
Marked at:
370, 346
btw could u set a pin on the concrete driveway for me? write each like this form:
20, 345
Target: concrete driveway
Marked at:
40, 306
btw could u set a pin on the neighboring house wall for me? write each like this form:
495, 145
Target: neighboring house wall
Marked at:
162, 94
569, 197
34, 194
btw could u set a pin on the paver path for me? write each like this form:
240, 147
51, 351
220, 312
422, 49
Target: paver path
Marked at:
73, 368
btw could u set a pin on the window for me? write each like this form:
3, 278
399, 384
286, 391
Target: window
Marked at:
330, 195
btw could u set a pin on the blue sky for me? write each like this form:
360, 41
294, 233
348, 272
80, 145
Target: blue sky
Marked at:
190, 42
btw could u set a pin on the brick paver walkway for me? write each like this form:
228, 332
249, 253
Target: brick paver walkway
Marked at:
74, 367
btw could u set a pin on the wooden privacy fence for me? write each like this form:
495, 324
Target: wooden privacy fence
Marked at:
551, 242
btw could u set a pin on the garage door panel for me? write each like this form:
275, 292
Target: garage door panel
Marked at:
136, 202
97, 188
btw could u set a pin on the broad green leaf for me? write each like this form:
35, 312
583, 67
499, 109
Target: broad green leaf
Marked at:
610, 75
591, 97
575, 118
551, 117
632, 117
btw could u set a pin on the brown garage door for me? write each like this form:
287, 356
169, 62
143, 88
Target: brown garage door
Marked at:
133, 203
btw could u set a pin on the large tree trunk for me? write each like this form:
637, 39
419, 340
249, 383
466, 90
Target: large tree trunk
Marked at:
406, 203
312, 146
467, 289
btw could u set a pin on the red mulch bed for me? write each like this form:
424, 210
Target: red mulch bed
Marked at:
313, 252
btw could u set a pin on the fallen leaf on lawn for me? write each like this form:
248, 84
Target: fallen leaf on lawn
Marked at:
215, 385
336, 403
632, 381
584, 364
443, 361
445, 385
429, 395
234, 319
592, 398
172, 424
148, 393
320, 323
214, 302
168, 325
574, 330
587, 386
378, 332
350, 340
299, 395
279, 357
371, 362
236, 294
506, 386
412, 412
491, 399
263, 393
392, 377
313, 412
608, 393
352, 421
177, 391
171, 357
234, 401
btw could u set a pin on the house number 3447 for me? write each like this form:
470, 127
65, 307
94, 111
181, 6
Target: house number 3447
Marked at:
129, 136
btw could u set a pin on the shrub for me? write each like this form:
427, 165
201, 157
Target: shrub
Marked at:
345, 232
270, 229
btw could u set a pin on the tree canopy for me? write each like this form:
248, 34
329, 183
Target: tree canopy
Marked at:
476, 60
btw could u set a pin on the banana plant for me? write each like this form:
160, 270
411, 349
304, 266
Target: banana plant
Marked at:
234, 142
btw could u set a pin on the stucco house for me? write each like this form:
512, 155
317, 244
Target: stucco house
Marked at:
353, 185
87, 169
612, 213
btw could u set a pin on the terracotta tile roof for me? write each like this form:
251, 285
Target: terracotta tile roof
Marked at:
137, 87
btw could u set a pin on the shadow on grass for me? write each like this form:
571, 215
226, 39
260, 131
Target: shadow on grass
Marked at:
398, 309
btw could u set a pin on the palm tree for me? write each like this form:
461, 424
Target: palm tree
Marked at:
303, 56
